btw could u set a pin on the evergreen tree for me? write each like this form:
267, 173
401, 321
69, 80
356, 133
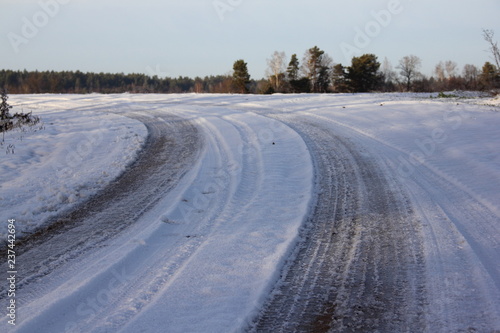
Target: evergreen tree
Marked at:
297, 84
363, 74
324, 80
317, 69
339, 79
293, 68
4, 106
489, 77
303, 85
241, 77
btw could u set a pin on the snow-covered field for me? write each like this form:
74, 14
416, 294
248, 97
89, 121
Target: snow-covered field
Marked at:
207, 254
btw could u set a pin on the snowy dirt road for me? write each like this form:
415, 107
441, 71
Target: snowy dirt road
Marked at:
393, 246
188, 238
360, 266
284, 213
171, 148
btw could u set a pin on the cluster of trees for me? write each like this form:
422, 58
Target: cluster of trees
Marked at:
317, 74
366, 73
446, 76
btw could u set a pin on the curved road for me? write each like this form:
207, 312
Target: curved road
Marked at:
373, 254
171, 148
360, 265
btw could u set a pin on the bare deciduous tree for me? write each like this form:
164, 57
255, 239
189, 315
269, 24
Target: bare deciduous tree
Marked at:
446, 74
387, 70
451, 68
470, 74
389, 76
276, 69
440, 71
409, 69
495, 51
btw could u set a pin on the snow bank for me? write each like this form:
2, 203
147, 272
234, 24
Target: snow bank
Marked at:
492, 101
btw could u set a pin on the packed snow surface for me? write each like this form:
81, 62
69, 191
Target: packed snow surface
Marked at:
207, 254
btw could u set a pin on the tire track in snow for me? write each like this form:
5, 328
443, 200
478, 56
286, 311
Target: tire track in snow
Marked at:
454, 243
461, 257
406, 152
162, 265
147, 269
360, 265
199, 261
229, 273
171, 147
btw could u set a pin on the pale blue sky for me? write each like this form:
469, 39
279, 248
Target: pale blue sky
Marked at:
204, 37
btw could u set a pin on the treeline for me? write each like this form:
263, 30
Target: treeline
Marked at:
35, 82
316, 72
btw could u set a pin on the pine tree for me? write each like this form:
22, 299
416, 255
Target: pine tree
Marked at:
489, 76
317, 69
297, 84
363, 73
241, 77
293, 68
4, 106
339, 79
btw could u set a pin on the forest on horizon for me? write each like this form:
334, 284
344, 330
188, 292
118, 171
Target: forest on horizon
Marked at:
314, 73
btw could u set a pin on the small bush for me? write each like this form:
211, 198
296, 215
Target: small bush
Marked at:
6, 122
443, 95
18, 120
